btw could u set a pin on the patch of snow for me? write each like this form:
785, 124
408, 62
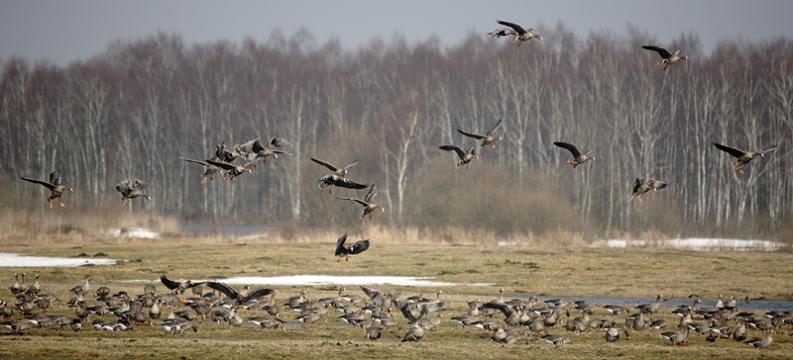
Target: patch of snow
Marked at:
139, 233
309, 280
699, 244
17, 260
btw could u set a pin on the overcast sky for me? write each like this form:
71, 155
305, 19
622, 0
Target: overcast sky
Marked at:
66, 30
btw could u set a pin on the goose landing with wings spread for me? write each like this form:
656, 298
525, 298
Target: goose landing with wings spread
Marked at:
338, 177
55, 187
489, 138
368, 203
343, 251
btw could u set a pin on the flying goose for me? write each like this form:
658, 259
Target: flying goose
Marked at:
232, 170
368, 206
54, 185
489, 138
338, 177
178, 286
667, 58
224, 155
344, 251
465, 157
743, 157
340, 171
578, 157
254, 150
234, 294
132, 189
643, 186
209, 170
517, 33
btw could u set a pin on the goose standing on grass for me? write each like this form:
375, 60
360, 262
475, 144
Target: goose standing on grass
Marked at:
55, 187
679, 336
643, 186
132, 189
489, 139
209, 170
232, 170
578, 157
416, 333
667, 58
368, 205
344, 251
761, 342
338, 177
555, 340
743, 157
465, 157
517, 33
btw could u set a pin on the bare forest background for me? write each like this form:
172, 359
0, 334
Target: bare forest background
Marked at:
131, 111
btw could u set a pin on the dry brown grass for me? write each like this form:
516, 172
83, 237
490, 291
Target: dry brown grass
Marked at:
559, 271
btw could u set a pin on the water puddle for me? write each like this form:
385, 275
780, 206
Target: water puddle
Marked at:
17, 260
138, 233
698, 244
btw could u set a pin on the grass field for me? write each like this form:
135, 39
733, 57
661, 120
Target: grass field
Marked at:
576, 271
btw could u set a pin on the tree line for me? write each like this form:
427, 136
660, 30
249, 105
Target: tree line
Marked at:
132, 110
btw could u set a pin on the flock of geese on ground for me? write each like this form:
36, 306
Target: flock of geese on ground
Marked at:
535, 315
187, 306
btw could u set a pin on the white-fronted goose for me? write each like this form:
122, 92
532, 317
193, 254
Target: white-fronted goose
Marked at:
651, 307
343, 251
235, 295
489, 139
578, 157
254, 150
504, 337
232, 170
643, 186
679, 336
338, 177
55, 187
555, 340
224, 155
369, 206
743, 157
465, 157
132, 189
416, 333
667, 58
761, 342
517, 33
178, 287
209, 169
